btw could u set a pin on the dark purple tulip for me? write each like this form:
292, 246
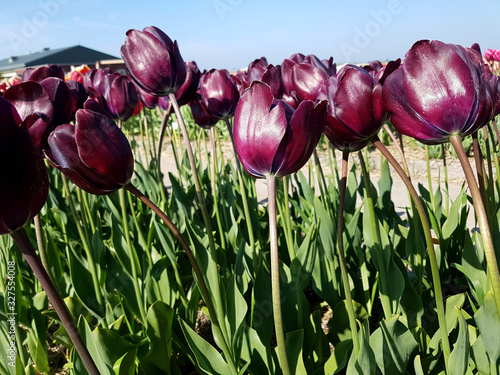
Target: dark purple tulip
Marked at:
188, 90
271, 138
29, 98
355, 110
24, 184
94, 153
438, 91
309, 75
201, 115
62, 99
286, 71
147, 99
79, 94
154, 61
39, 74
120, 96
219, 93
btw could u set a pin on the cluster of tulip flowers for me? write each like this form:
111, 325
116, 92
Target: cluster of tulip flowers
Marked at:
275, 115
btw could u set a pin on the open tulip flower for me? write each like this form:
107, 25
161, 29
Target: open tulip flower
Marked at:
93, 153
438, 92
273, 138
154, 61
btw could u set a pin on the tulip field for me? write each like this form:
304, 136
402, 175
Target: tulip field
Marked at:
177, 221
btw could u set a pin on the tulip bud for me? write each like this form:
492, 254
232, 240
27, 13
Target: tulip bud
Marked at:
438, 91
271, 138
154, 61
219, 93
94, 153
355, 110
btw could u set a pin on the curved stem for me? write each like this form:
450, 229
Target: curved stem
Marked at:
478, 161
342, 261
430, 247
399, 147
24, 244
484, 227
199, 275
275, 276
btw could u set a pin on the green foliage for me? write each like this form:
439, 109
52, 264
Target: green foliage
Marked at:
158, 321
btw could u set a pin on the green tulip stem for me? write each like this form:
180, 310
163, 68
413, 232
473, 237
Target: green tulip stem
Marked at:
41, 243
497, 133
429, 177
216, 289
275, 276
85, 242
482, 219
214, 187
196, 268
398, 146
163, 127
375, 229
430, 246
23, 242
244, 199
478, 161
342, 260
132, 256
493, 147
446, 185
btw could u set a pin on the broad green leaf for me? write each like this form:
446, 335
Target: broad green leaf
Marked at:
254, 352
459, 357
340, 329
417, 364
38, 352
338, 358
364, 363
126, 364
294, 347
159, 331
488, 321
393, 345
207, 357
236, 310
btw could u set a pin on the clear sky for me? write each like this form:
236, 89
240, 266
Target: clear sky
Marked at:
231, 33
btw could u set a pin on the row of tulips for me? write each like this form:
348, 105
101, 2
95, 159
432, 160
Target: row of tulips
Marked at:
275, 116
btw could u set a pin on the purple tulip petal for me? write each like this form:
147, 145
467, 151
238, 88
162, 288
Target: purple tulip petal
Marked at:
63, 155
306, 127
151, 70
438, 85
103, 147
307, 80
258, 129
404, 118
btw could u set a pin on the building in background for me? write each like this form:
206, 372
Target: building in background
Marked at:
68, 58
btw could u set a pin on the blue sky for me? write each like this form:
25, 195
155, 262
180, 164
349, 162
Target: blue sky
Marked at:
231, 33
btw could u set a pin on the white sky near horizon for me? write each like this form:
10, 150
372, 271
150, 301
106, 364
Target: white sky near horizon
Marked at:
231, 33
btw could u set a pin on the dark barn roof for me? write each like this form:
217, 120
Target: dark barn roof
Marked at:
76, 55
